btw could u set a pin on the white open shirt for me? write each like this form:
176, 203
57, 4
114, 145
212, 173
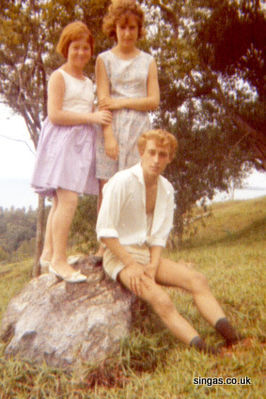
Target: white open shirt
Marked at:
123, 210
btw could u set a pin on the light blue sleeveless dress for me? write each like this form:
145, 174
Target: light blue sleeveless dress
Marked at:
128, 78
66, 154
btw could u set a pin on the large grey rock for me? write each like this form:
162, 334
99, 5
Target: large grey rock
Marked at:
64, 323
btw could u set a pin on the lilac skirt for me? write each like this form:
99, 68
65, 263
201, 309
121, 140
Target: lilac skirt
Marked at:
65, 159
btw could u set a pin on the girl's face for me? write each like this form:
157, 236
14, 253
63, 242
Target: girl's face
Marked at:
127, 31
79, 52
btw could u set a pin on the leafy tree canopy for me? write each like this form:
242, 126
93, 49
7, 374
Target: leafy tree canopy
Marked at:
211, 59
17, 227
211, 62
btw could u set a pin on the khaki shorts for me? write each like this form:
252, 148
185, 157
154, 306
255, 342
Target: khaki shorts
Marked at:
113, 266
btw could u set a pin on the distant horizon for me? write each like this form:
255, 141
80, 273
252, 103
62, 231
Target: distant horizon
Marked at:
16, 192
17, 163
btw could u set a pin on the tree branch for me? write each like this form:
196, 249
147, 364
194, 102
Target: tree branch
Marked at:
17, 140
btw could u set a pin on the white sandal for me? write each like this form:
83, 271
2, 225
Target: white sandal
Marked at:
75, 277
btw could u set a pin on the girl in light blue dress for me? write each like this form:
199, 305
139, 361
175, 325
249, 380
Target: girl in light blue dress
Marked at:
65, 162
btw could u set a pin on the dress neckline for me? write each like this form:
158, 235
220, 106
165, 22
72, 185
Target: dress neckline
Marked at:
80, 80
126, 59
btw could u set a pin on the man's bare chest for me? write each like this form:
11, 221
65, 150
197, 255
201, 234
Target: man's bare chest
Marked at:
151, 198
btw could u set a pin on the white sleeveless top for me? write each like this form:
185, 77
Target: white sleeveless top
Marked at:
78, 95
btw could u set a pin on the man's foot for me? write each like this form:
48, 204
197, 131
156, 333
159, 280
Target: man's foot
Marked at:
227, 331
198, 343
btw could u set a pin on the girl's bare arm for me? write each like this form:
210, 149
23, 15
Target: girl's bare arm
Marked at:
149, 103
58, 116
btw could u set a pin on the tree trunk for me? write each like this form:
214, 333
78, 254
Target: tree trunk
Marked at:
39, 235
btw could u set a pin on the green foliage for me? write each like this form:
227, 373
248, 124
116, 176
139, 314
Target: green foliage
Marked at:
29, 31
3, 255
18, 229
230, 251
232, 36
211, 64
83, 227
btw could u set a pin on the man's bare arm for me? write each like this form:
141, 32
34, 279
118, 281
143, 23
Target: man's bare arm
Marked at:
118, 250
134, 271
155, 256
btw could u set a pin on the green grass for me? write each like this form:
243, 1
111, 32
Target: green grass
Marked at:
230, 251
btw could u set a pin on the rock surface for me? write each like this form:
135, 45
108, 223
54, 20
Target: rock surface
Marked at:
64, 323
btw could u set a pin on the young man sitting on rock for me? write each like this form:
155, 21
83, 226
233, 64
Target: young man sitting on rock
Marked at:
134, 222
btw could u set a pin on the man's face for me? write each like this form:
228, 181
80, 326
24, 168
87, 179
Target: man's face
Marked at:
154, 159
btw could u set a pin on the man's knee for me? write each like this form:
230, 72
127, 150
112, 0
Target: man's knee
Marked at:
161, 303
164, 307
199, 282
152, 292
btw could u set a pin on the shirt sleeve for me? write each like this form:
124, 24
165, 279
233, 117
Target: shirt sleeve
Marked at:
114, 193
166, 222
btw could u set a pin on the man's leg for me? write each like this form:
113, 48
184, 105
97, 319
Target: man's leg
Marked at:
163, 306
177, 274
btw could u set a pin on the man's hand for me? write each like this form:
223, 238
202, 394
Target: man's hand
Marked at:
135, 273
150, 271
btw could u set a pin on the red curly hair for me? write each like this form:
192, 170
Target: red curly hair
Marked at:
162, 138
73, 31
123, 9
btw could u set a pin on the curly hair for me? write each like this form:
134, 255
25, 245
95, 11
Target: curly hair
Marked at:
73, 31
162, 138
119, 9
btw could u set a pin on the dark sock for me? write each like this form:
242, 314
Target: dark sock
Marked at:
199, 344
227, 331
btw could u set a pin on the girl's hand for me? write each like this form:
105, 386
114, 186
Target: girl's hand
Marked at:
111, 147
103, 117
109, 103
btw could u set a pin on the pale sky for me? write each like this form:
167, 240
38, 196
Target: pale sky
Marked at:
16, 157
17, 162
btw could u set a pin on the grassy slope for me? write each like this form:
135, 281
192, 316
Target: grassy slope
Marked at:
230, 251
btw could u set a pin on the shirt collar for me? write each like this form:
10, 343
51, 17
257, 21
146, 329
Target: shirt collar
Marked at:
138, 172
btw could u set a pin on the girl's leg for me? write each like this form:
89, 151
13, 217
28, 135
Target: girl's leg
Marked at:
100, 197
61, 222
47, 252
100, 251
